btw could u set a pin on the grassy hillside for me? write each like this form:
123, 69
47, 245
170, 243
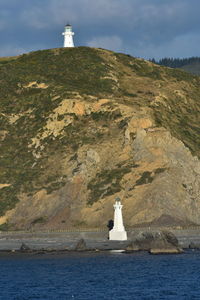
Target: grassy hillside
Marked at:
32, 87
79, 70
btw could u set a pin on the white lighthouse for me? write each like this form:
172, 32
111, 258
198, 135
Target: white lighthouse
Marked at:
118, 232
68, 36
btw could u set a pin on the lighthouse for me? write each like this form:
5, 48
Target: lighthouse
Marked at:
118, 232
68, 36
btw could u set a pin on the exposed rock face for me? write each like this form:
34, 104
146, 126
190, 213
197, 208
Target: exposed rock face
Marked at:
170, 172
155, 242
113, 126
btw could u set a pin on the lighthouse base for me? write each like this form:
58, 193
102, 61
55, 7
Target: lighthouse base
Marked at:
117, 235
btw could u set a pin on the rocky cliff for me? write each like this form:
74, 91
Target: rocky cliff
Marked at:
81, 126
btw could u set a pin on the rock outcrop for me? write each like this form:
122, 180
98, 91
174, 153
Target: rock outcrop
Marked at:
156, 242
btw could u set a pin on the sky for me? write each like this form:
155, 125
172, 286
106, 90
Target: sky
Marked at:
141, 28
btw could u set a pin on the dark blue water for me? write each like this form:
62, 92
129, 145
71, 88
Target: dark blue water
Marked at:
100, 276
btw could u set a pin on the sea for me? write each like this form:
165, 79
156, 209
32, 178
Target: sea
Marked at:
107, 275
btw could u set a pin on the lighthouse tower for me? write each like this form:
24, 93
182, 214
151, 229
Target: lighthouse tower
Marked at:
68, 36
118, 232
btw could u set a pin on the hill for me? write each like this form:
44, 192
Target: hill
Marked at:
191, 64
81, 126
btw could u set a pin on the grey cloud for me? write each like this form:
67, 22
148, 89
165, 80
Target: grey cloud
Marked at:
107, 42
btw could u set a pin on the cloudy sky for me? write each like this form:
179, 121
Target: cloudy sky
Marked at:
143, 28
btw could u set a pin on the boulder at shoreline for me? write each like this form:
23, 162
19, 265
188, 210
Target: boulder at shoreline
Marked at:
24, 247
81, 245
156, 242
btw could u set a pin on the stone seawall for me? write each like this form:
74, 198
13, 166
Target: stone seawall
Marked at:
187, 237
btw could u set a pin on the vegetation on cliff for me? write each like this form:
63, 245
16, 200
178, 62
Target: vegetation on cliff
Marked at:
57, 105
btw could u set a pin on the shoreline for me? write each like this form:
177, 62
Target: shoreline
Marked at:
92, 241
54, 253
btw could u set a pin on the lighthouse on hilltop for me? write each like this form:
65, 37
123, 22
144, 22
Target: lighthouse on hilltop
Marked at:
68, 36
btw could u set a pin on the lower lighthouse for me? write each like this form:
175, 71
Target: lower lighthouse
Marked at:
118, 232
68, 36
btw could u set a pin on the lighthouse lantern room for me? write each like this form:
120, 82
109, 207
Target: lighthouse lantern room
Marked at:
68, 36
